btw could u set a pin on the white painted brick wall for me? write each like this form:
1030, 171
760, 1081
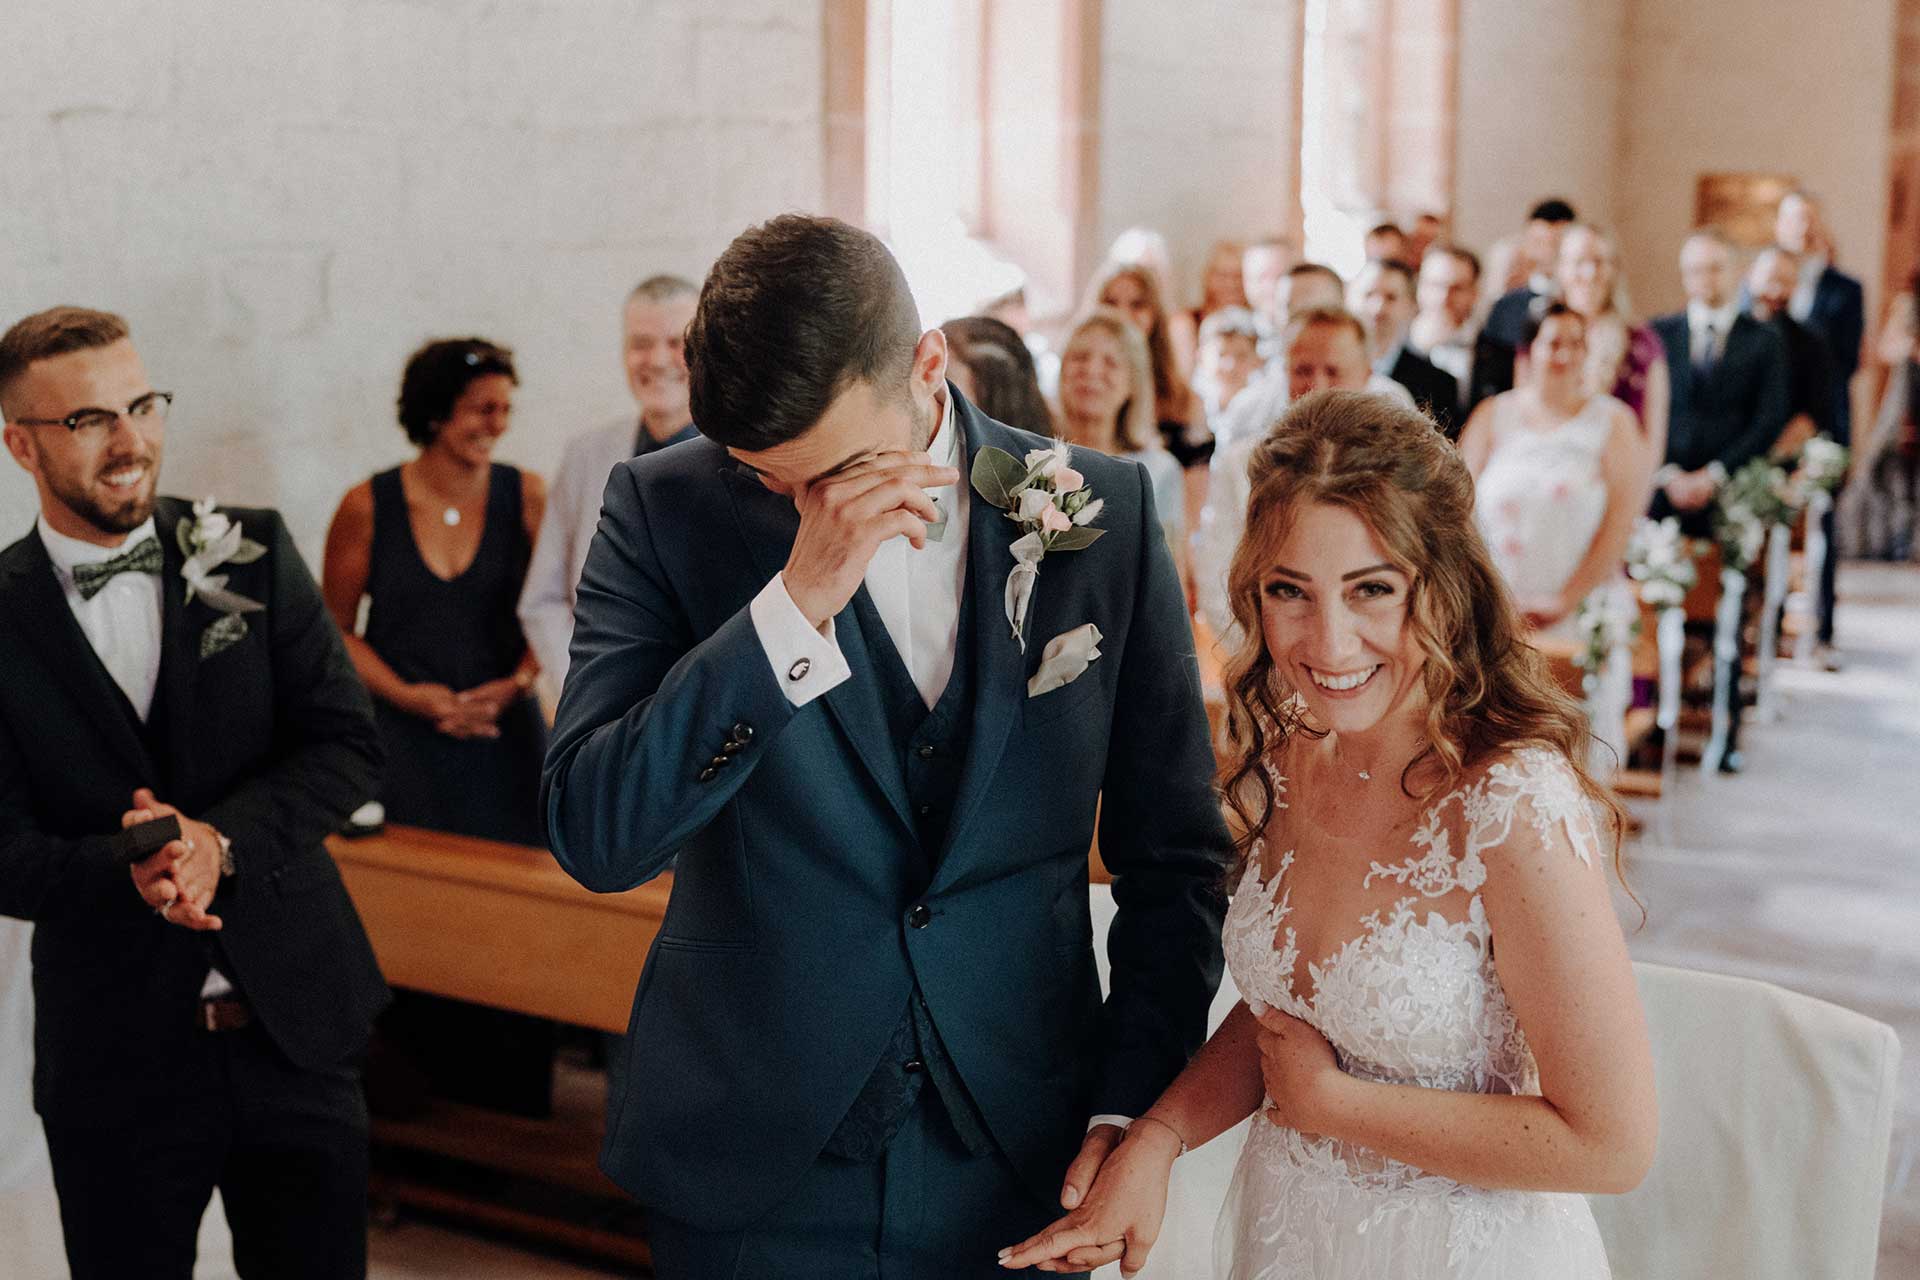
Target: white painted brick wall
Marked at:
1196, 112
285, 197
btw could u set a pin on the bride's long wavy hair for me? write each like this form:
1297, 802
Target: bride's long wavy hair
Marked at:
1487, 689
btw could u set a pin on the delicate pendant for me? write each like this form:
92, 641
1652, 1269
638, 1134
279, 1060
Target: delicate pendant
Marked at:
1365, 776
452, 516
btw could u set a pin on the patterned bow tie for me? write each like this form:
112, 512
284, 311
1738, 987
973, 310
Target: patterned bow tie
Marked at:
89, 579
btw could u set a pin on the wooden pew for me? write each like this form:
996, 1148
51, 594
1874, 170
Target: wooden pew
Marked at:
502, 925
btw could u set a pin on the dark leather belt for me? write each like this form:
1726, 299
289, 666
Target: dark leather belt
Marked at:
224, 1013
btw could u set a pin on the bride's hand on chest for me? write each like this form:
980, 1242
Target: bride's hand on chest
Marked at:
1300, 1071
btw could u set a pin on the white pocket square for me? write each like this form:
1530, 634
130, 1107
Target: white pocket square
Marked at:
1064, 658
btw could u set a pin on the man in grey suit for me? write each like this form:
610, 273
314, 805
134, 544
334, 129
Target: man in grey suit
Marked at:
653, 338
811, 668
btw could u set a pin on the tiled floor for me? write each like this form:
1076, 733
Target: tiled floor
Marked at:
1805, 870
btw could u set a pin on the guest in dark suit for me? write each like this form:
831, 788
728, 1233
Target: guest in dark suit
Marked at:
199, 1015
1507, 322
1444, 331
1730, 386
1832, 305
869, 1038
1768, 291
1382, 296
1730, 403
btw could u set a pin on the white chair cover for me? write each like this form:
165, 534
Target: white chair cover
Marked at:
1201, 1177
1776, 1112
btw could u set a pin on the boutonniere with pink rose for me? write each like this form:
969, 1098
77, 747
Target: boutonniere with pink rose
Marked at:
1050, 501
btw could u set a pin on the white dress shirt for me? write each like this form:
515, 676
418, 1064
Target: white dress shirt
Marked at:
1702, 319
916, 593
122, 623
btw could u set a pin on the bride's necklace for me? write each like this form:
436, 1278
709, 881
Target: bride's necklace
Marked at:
452, 517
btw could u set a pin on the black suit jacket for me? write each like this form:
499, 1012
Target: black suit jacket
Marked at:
270, 740
1839, 316
1736, 413
1809, 372
1433, 388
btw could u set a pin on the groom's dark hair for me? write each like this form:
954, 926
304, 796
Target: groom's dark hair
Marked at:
794, 312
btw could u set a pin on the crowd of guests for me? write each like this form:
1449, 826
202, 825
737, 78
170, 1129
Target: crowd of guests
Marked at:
452, 576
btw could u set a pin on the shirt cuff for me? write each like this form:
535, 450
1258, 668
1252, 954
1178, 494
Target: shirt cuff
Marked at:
805, 662
1124, 1122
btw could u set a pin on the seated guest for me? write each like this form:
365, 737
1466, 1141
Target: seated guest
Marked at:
1385, 242
1769, 293
1428, 230
1229, 358
655, 320
1539, 250
1560, 477
1382, 296
1307, 286
1133, 291
1625, 360
1730, 403
1262, 267
201, 1004
994, 370
438, 547
1106, 403
1222, 284
1145, 247
1325, 347
1445, 330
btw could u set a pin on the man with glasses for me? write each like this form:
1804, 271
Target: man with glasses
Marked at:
203, 988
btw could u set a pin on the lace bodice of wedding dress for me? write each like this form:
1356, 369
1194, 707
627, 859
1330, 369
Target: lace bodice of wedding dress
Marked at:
1411, 998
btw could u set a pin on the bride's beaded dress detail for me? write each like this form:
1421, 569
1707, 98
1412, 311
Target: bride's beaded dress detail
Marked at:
1412, 998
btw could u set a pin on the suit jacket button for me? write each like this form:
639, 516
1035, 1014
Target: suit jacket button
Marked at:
798, 671
719, 762
912, 1066
743, 732
926, 751
708, 774
920, 917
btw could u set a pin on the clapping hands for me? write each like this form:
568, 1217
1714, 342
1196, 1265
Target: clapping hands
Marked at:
180, 880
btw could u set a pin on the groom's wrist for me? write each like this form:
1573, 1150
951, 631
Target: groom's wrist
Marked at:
805, 662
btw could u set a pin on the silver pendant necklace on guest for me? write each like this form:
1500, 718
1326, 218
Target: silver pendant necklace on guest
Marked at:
451, 516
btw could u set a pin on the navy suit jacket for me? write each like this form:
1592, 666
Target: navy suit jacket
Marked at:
1738, 412
1839, 315
802, 913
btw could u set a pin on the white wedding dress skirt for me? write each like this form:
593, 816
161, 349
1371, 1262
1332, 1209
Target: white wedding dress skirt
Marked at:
1412, 998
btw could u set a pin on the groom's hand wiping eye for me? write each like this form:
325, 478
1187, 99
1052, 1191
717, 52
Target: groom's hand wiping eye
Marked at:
846, 515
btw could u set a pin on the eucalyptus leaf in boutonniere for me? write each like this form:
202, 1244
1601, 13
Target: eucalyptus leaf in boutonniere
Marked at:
209, 541
1050, 501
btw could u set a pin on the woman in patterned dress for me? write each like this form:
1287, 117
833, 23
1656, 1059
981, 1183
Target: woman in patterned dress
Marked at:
1409, 785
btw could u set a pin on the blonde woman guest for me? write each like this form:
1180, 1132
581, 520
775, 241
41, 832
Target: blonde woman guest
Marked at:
1625, 359
1441, 1044
1222, 284
1106, 403
1133, 291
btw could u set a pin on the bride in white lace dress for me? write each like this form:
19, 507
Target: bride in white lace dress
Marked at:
1406, 782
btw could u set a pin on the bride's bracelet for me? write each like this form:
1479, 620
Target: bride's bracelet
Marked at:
1169, 1128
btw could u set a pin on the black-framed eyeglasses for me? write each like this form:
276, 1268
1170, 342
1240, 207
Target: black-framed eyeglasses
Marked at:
151, 407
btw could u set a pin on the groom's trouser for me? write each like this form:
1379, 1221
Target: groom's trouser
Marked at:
924, 1210
287, 1148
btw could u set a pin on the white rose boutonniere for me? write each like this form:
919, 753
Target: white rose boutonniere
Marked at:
210, 540
1050, 501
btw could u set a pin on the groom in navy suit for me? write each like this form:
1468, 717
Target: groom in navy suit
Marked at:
869, 1038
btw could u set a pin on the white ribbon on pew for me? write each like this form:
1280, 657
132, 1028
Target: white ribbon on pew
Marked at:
1819, 502
1773, 595
1726, 656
